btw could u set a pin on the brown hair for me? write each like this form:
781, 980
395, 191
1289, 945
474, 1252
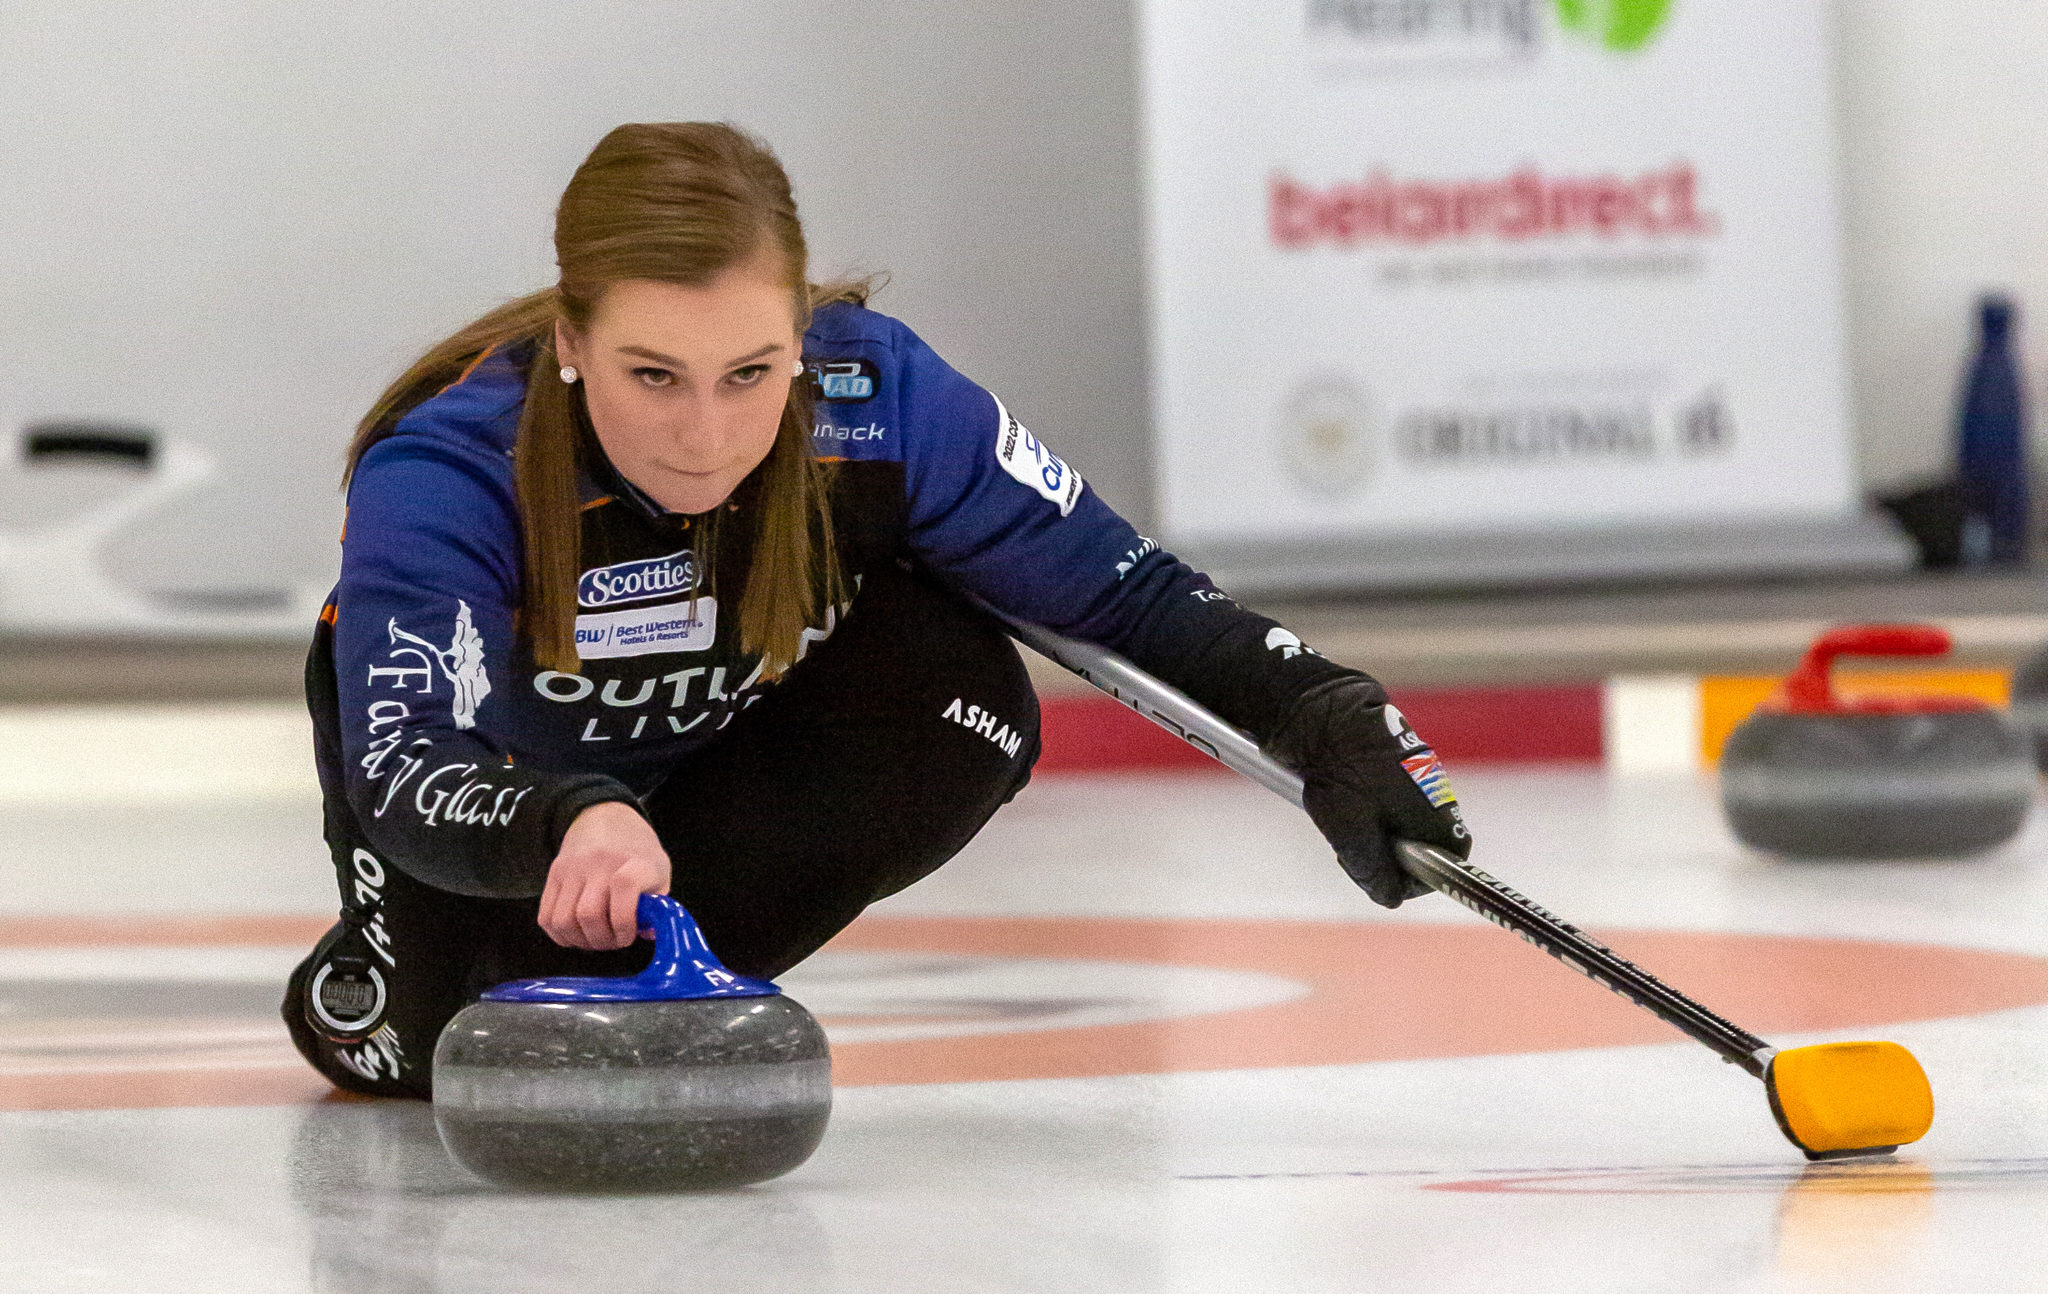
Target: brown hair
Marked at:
676, 203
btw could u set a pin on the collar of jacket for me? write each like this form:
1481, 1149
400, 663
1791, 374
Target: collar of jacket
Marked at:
598, 478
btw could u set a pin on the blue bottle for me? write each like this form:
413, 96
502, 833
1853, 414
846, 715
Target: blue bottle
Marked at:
1992, 443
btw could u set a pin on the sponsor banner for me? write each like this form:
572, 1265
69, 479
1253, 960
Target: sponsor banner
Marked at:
1429, 266
689, 625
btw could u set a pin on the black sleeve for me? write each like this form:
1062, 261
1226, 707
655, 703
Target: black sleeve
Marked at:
1248, 668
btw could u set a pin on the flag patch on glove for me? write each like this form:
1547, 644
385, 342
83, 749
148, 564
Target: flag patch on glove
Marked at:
1429, 776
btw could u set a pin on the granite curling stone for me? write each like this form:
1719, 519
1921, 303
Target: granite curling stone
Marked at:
1815, 775
684, 1077
2030, 704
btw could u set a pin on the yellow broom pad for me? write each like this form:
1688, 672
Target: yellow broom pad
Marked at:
1850, 1096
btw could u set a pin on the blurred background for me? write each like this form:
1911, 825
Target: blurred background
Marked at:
225, 230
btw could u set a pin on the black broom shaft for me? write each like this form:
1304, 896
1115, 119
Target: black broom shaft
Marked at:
1181, 715
1535, 924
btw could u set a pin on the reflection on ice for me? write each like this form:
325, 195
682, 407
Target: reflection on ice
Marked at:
389, 1211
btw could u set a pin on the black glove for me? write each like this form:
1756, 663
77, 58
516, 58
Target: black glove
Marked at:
1368, 781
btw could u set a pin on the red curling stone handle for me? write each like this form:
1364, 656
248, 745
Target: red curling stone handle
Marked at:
1807, 688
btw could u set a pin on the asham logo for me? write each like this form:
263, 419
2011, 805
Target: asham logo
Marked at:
1326, 434
985, 722
638, 581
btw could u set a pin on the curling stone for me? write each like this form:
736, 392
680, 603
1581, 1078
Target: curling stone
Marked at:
2030, 704
683, 1077
1815, 775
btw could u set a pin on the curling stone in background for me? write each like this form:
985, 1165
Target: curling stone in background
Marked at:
685, 1076
1815, 775
2030, 703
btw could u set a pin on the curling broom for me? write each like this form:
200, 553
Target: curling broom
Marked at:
1832, 1100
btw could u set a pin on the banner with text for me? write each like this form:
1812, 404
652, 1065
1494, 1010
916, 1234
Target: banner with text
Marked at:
1437, 266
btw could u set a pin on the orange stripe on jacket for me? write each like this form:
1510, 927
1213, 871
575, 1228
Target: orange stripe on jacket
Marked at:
463, 376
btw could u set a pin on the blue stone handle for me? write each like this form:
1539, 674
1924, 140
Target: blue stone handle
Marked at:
684, 968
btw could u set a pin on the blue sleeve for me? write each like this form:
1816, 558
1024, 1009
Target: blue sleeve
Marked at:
995, 512
423, 643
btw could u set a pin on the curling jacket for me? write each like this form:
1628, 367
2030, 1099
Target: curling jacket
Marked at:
446, 751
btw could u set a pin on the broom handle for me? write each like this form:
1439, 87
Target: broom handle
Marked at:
1181, 715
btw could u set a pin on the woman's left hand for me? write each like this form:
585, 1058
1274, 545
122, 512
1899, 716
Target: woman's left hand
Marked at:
1369, 782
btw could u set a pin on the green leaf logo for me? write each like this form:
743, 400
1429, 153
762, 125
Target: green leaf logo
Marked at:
1623, 26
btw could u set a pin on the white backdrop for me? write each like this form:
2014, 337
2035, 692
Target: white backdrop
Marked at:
235, 222
1445, 267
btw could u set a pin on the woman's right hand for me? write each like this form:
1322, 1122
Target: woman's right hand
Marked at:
610, 856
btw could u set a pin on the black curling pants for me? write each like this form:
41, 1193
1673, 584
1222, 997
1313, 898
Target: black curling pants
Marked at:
844, 784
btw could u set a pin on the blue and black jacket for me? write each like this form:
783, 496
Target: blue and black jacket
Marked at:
455, 758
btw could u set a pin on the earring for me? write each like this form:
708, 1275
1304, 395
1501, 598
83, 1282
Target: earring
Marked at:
569, 374
799, 369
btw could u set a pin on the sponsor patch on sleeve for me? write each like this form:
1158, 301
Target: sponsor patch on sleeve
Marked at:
1033, 464
1429, 776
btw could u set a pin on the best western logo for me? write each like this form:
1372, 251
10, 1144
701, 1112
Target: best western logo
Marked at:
652, 577
1525, 206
